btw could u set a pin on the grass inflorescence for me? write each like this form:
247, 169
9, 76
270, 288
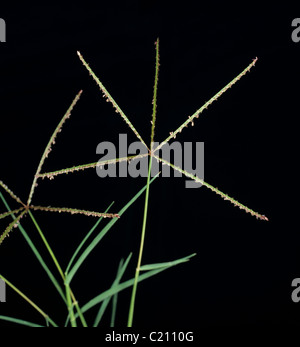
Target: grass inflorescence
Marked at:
75, 313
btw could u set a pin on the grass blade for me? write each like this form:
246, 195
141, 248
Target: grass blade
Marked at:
166, 264
21, 322
68, 289
116, 289
36, 253
98, 238
114, 310
46, 244
70, 307
85, 239
121, 269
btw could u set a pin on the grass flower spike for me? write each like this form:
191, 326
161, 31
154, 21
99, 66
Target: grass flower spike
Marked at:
75, 312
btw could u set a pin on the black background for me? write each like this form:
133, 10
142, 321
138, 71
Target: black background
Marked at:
244, 267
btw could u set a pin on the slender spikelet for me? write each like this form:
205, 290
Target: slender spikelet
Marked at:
12, 225
109, 98
217, 191
6, 214
154, 101
208, 103
74, 211
13, 195
51, 175
50, 143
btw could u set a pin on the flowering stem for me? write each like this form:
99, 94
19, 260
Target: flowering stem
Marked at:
137, 271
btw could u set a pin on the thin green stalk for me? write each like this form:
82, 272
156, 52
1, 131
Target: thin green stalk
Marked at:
36, 307
80, 314
70, 306
59, 269
36, 252
47, 245
137, 271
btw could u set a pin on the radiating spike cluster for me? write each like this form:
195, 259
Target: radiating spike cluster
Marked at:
208, 103
74, 211
24, 209
12, 225
217, 191
110, 99
50, 143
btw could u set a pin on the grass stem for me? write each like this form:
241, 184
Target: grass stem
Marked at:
137, 271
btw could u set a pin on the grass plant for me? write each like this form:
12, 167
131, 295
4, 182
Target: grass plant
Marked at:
75, 314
